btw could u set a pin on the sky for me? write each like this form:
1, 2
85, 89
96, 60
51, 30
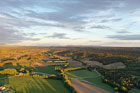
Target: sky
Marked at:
70, 22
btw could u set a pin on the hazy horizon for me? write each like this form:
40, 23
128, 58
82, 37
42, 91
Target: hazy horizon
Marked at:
112, 23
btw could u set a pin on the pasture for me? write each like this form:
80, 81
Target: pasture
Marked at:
46, 69
92, 77
134, 91
83, 74
35, 85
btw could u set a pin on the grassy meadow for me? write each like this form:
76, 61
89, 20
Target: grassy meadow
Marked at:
134, 91
35, 85
46, 69
98, 81
81, 74
92, 77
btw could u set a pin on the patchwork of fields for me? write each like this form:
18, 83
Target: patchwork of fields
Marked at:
34, 70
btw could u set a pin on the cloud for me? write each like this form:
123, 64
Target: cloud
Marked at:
73, 15
125, 37
70, 14
123, 32
94, 41
111, 20
122, 44
101, 27
47, 44
67, 14
59, 36
8, 35
131, 4
76, 38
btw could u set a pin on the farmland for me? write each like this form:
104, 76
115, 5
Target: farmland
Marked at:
119, 67
69, 46
31, 70
83, 74
134, 91
42, 69
92, 77
47, 69
25, 56
34, 85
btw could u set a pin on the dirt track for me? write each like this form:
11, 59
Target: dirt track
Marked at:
82, 87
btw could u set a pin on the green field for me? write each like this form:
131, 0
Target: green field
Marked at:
4, 81
35, 85
2, 76
47, 69
83, 74
9, 65
92, 77
98, 82
134, 91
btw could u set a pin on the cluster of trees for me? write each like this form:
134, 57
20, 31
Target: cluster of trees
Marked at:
101, 53
23, 72
57, 68
110, 59
65, 78
67, 82
121, 80
25, 56
60, 61
9, 71
117, 87
71, 69
67, 64
55, 59
6, 59
49, 53
40, 76
27, 74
